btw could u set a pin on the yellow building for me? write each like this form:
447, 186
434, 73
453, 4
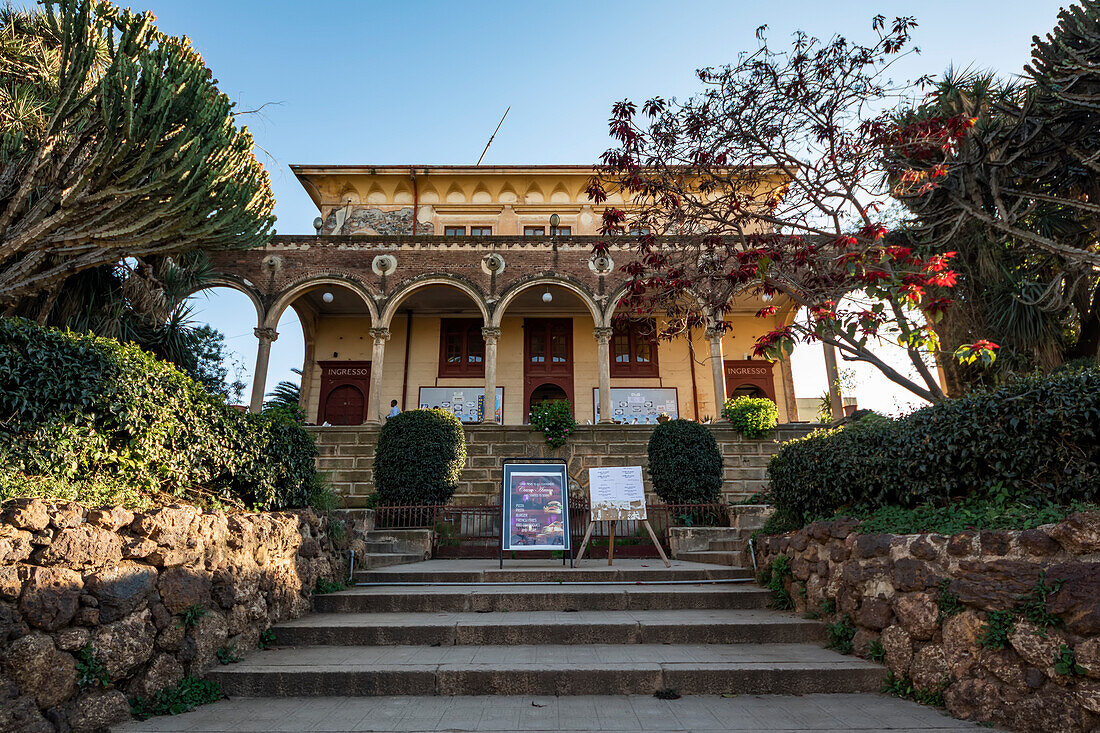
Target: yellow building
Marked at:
494, 291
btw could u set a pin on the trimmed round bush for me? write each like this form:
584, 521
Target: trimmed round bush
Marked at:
753, 417
419, 458
1035, 440
685, 464
78, 407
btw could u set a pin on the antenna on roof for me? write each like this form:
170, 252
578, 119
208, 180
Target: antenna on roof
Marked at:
493, 135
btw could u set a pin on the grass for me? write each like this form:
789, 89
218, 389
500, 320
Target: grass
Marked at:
187, 695
962, 516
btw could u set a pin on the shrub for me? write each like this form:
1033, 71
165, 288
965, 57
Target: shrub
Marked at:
105, 409
753, 417
555, 420
1034, 441
419, 458
685, 464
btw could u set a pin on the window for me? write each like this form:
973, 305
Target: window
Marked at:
454, 231
481, 231
634, 349
461, 347
560, 231
639, 231
534, 231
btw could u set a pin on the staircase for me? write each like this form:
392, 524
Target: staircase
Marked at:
536, 629
720, 545
386, 547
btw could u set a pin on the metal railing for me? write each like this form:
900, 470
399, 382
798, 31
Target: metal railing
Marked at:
474, 531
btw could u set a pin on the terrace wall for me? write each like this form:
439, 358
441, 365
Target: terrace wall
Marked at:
347, 457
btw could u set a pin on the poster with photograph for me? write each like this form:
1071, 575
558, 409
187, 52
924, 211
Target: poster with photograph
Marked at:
639, 406
467, 403
536, 506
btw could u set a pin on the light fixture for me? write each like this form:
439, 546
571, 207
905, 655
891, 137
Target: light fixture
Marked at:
767, 297
327, 297
318, 224
554, 221
547, 297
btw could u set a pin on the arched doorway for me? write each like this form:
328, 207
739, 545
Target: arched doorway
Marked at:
345, 405
546, 392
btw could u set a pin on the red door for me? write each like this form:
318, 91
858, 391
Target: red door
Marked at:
345, 406
547, 358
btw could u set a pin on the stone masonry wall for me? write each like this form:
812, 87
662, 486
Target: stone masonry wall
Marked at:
121, 584
347, 457
897, 590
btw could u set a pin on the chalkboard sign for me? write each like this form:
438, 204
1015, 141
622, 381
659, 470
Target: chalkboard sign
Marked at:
535, 506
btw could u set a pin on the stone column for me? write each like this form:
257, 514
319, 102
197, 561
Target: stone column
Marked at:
374, 399
717, 370
263, 356
603, 369
490, 334
836, 401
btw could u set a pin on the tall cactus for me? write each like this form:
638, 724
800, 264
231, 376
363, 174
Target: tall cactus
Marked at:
116, 143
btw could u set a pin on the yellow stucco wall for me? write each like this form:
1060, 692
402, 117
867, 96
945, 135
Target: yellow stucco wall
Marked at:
349, 337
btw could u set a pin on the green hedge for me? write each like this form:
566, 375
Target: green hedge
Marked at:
419, 458
685, 464
1035, 440
76, 406
753, 417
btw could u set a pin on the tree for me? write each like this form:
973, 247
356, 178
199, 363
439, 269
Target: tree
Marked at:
771, 182
1022, 188
286, 399
115, 146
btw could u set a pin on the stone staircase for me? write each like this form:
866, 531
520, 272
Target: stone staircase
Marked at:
536, 629
720, 545
386, 547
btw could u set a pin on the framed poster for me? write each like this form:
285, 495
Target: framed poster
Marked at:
616, 493
535, 503
640, 406
467, 403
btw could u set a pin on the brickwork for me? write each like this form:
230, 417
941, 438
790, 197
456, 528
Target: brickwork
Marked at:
347, 457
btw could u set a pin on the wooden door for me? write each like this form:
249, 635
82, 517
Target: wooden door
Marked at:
547, 356
345, 405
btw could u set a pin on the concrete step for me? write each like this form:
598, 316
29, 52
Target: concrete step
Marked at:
716, 558
726, 545
548, 627
414, 541
580, 597
378, 546
549, 571
386, 559
593, 669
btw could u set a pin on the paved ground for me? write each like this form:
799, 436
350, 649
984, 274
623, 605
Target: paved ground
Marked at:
699, 713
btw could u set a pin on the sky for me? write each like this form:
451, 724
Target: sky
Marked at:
426, 82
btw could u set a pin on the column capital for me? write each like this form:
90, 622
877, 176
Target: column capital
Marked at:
603, 333
713, 334
490, 333
266, 334
380, 334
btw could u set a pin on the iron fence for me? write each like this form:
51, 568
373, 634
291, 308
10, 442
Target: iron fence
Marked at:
474, 531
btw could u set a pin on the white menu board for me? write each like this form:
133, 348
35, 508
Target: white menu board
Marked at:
639, 406
468, 403
616, 492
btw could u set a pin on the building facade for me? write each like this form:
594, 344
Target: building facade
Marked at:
475, 289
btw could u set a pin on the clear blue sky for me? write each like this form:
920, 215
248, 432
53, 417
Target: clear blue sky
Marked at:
403, 82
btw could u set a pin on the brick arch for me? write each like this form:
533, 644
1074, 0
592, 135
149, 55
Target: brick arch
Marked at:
613, 301
411, 286
291, 292
563, 282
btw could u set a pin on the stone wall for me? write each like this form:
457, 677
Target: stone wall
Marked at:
123, 583
347, 457
898, 591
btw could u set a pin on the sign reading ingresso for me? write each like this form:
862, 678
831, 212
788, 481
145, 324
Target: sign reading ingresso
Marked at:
535, 502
